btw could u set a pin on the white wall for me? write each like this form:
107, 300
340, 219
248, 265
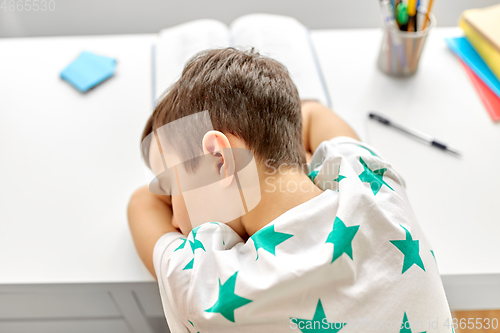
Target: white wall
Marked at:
89, 17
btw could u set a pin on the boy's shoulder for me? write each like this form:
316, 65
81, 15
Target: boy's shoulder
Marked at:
335, 158
219, 233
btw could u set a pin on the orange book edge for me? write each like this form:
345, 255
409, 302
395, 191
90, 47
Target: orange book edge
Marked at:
490, 100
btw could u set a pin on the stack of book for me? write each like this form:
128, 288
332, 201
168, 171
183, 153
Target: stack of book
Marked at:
479, 51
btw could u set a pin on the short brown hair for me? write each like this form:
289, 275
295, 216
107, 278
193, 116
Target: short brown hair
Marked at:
247, 95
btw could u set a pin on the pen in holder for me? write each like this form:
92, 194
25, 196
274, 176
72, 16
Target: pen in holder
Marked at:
400, 50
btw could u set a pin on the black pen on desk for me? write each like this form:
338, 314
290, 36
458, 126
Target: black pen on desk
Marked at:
422, 136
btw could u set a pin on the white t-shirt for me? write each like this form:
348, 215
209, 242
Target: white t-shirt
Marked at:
352, 259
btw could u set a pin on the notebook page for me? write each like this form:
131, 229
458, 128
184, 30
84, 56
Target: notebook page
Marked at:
178, 44
286, 40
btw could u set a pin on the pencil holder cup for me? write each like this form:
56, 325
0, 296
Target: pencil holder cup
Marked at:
400, 50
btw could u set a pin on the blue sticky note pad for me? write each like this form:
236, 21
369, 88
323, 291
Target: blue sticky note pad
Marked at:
88, 70
469, 55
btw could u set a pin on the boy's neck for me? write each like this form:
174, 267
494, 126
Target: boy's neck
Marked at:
280, 192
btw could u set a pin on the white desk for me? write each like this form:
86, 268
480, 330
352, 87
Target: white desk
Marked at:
70, 161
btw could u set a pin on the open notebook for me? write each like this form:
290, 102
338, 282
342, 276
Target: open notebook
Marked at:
282, 38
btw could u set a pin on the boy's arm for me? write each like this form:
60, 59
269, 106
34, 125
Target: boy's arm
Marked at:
321, 124
149, 218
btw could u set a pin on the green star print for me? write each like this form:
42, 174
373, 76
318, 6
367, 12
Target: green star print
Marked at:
369, 150
432, 252
410, 249
195, 243
405, 325
228, 301
340, 177
189, 265
318, 323
182, 245
373, 177
191, 323
341, 237
313, 175
267, 239
223, 241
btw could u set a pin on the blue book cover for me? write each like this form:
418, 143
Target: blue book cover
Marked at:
468, 54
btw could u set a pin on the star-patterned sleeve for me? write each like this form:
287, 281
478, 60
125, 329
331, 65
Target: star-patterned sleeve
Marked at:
188, 269
162, 246
332, 159
376, 229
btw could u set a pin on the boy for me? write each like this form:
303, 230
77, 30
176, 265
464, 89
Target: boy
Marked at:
345, 254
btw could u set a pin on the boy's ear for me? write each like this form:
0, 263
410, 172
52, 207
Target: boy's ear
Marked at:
211, 142
217, 144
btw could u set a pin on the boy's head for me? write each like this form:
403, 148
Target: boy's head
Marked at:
248, 96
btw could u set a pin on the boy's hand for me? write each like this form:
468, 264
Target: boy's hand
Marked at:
149, 218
